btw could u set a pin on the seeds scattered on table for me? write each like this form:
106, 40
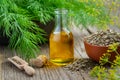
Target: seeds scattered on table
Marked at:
81, 64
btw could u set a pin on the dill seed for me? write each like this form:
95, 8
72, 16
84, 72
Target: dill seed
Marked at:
81, 64
103, 38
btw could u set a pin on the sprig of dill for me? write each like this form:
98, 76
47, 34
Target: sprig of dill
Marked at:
23, 33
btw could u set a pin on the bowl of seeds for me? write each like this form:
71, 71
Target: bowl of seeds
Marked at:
97, 44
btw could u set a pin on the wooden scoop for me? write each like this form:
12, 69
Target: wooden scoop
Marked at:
18, 62
22, 65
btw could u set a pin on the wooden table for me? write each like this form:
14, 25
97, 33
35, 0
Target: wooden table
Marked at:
9, 72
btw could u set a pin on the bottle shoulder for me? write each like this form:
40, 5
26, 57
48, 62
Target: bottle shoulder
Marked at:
61, 34
61, 30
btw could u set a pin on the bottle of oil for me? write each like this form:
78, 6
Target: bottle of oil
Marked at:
61, 40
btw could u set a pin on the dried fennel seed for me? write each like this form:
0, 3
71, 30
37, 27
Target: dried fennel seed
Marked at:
81, 64
103, 38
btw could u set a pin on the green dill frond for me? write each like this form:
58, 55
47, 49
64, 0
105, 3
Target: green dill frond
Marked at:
24, 34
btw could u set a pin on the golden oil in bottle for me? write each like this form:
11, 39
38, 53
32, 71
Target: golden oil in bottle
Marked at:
61, 41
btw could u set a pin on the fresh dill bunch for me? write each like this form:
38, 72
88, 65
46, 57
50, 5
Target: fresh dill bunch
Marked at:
85, 12
24, 34
39, 10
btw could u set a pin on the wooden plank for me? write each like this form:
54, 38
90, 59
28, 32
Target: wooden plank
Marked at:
78, 42
80, 48
49, 72
1, 62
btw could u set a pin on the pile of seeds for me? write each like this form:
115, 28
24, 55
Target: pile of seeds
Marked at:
81, 64
104, 38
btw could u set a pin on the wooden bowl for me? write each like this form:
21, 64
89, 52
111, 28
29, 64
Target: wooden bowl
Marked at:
95, 52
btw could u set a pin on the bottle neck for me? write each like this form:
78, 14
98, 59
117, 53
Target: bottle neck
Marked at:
61, 21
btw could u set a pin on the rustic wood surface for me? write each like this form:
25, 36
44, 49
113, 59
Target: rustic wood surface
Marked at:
49, 72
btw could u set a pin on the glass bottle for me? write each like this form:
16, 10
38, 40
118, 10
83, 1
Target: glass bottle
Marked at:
61, 40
